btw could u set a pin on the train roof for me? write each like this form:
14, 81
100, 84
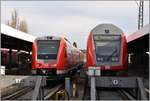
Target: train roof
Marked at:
108, 29
48, 38
52, 38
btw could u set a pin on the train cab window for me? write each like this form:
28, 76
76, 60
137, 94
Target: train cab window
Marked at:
47, 49
107, 48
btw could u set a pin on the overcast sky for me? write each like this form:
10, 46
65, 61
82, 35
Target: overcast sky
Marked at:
74, 19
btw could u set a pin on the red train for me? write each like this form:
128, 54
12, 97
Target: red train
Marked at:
53, 55
107, 48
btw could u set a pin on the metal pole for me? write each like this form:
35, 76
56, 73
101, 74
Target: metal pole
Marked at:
93, 88
37, 88
0, 94
18, 56
140, 15
10, 57
141, 89
67, 85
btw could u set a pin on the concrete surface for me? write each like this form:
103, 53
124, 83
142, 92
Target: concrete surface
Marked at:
7, 80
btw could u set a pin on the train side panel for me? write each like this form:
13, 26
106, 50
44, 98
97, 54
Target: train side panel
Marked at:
90, 57
34, 55
62, 64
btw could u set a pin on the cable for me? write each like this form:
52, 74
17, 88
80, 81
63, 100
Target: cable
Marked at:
137, 3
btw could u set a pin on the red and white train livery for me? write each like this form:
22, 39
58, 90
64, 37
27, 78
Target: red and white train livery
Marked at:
107, 48
53, 55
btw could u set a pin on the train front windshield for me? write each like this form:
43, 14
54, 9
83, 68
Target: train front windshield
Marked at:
107, 48
47, 49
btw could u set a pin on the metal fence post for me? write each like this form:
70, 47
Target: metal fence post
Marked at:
36, 92
93, 88
67, 85
0, 94
142, 93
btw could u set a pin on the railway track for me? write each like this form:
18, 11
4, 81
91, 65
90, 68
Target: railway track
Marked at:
52, 91
117, 94
126, 95
17, 94
110, 94
27, 92
10, 89
147, 92
113, 94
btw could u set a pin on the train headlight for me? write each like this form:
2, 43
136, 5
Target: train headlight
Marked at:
100, 59
114, 59
44, 71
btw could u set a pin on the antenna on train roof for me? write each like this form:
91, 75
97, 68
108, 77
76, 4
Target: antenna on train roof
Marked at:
75, 44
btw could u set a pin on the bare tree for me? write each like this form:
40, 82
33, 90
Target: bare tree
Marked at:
23, 26
16, 23
14, 19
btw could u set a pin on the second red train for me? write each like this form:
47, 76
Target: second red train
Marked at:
53, 55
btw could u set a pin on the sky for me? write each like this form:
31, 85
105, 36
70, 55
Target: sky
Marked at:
74, 19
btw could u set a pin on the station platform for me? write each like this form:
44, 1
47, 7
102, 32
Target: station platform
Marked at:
8, 80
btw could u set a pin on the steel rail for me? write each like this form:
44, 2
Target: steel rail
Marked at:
17, 93
130, 97
147, 90
53, 91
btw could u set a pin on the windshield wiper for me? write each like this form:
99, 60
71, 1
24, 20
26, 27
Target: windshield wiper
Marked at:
115, 50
